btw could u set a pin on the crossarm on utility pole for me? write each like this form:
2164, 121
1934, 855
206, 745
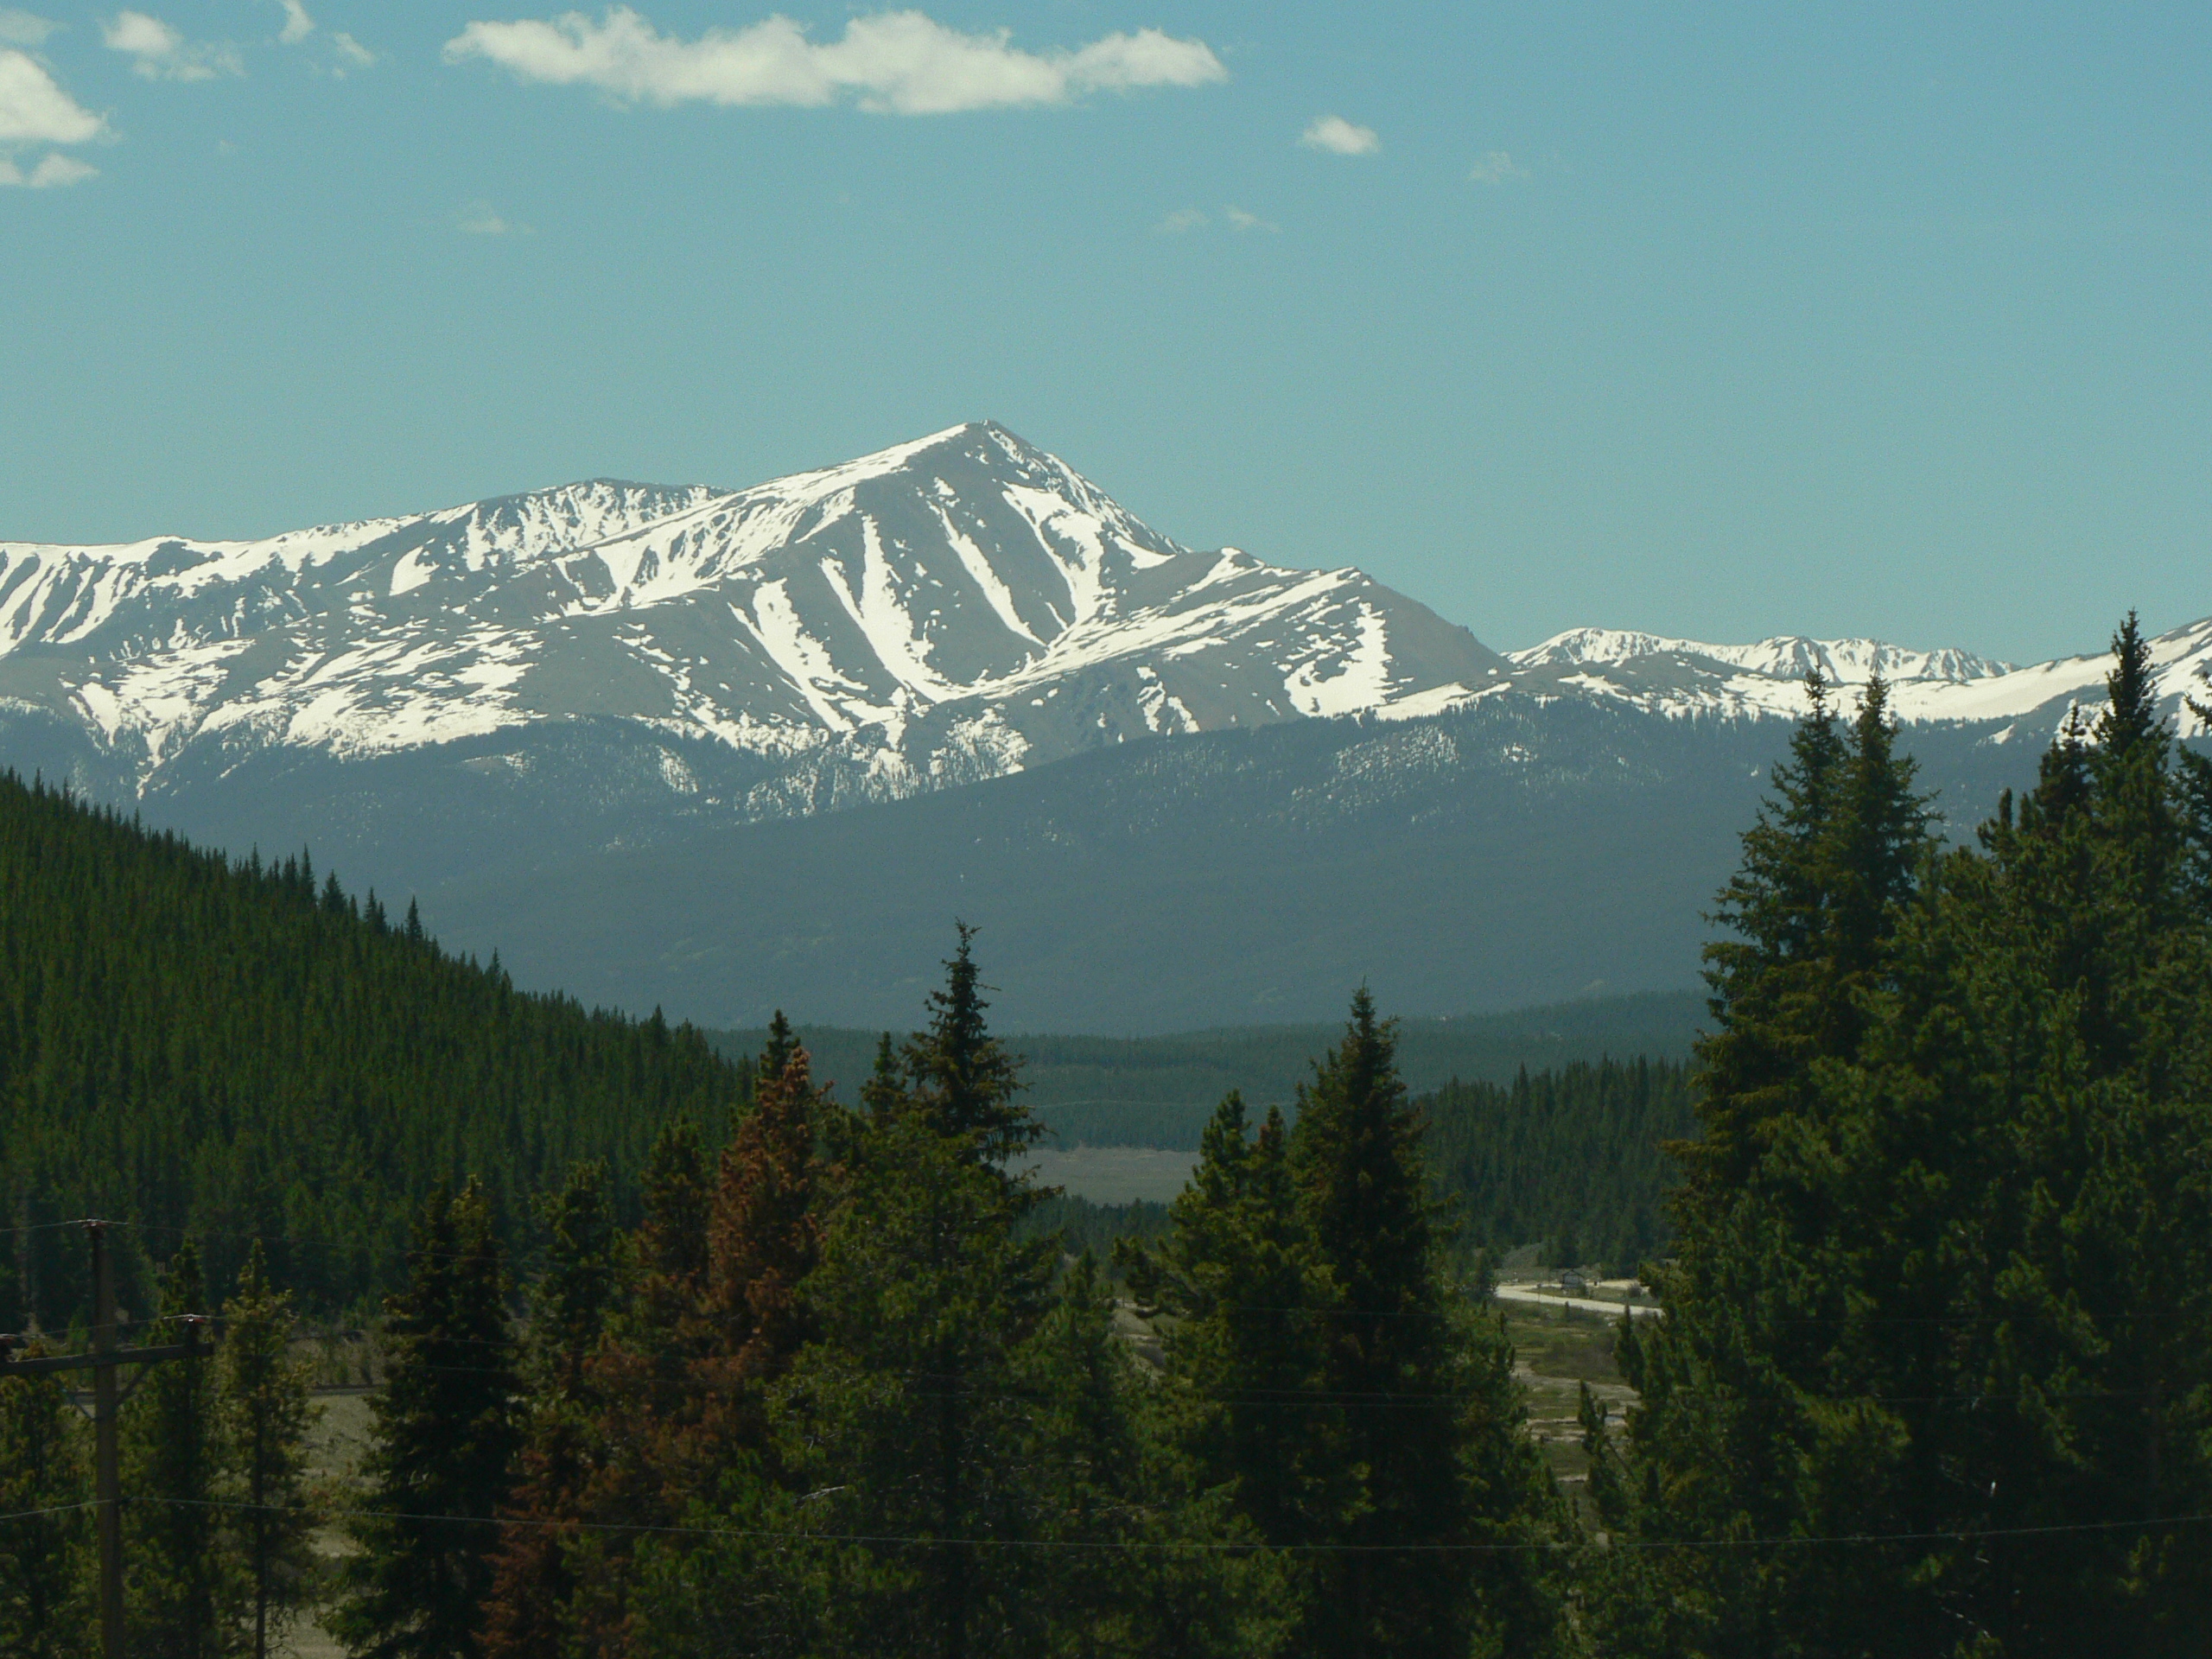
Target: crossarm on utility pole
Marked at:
107, 1461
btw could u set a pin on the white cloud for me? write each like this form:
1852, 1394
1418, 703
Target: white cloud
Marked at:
898, 62
21, 28
160, 53
1181, 220
53, 171
33, 110
1497, 168
479, 218
1340, 138
1239, 220
353, 51
297, 24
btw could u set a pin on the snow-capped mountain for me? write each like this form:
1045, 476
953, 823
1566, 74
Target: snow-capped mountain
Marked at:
1679, 677
946, 610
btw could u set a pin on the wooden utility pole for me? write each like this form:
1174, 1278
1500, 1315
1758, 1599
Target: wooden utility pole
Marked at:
107, 1461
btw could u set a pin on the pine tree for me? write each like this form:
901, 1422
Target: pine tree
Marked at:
903, 1414
182, 1584
1956, 1309
961, 1076
443, 1446
1432, 1447
1742, 1431
764, 1237
532, 1571
46, 1565
267, 1414
1240, 1275
1103, 1478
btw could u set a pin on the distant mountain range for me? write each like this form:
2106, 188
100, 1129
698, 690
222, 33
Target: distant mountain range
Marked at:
512, 706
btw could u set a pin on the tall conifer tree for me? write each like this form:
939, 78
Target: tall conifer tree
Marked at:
266, 1415
182, 1576
46, 1566
1432, 1419
443, 1446
532, 1578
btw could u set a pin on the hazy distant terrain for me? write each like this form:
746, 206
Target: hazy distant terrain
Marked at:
721, 751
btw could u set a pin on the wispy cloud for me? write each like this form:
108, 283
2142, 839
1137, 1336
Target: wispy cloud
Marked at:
297, 24
24, 28
1183, 220
480, 218
33, 110
1497, 168
352, 52
896, 62
1339, 137
159, 52
53, 170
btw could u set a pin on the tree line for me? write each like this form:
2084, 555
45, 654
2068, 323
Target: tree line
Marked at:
831, 1395
1936, 1372
227, 1051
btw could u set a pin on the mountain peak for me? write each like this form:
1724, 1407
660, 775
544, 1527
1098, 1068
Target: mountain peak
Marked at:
956, 606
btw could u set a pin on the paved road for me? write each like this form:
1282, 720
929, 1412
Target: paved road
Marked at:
1580, 1304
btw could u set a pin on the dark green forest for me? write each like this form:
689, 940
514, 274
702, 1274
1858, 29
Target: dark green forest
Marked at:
1572, 1161
224, 1053
1931, 1375
1160, 1091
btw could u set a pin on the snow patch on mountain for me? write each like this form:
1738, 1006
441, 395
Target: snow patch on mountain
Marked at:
1684, 677
950, 608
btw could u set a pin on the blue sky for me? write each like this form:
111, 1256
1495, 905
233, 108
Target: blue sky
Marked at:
1722, 321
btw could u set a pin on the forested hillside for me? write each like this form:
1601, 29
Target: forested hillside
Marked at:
1572, 1160
1161, 1091
222, 1051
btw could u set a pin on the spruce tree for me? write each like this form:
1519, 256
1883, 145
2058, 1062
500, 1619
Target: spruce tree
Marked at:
47, 1609
532, 1570
182, 1584
1243, 1283
443, 1446
1432, 1446
266, 1415
960, 1075
1953, 1308
1136, 1577
1742, 1431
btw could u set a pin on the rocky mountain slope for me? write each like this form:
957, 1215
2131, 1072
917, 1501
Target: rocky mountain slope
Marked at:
1680, 678
946, 610
723, 749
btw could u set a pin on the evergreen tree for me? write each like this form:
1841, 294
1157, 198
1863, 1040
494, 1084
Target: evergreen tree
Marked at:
905, 1411
1432, 1446
267, 1413
1092, 1458
532, 1579
443, 1446
182, 1584
764, 1237
46, 1566
1248, 1291
961, 1076
1956, 1308
639, 1396
573, 1298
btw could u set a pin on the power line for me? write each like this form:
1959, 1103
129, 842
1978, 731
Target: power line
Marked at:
1180, 1546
